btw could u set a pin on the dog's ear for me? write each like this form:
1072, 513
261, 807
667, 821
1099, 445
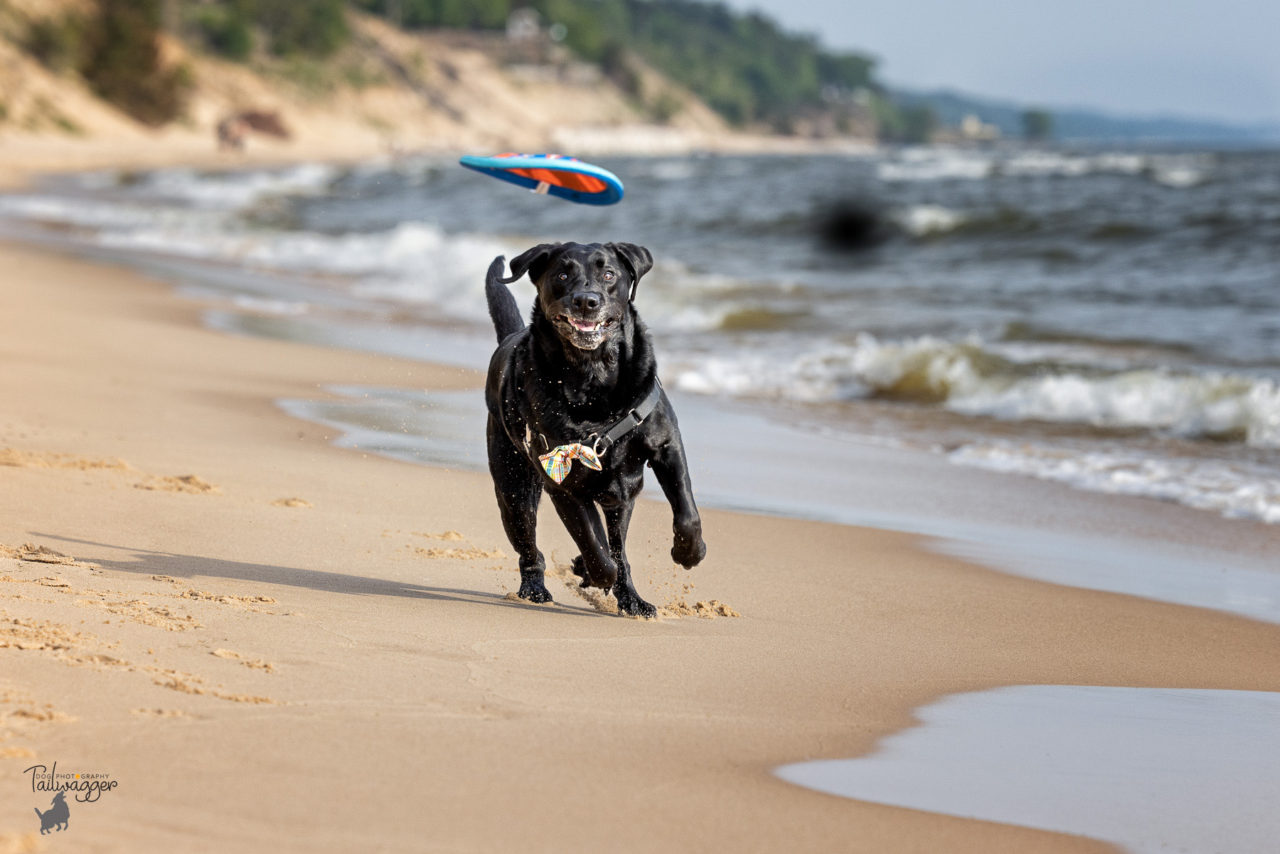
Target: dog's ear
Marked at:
636, 259
532, 261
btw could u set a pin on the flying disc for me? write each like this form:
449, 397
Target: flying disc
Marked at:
552, 174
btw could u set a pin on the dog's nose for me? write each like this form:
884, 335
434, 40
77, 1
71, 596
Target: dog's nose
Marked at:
586, 301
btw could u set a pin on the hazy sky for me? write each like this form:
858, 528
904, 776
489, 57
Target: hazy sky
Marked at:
1201, 58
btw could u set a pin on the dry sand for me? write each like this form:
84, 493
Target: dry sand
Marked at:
275, 645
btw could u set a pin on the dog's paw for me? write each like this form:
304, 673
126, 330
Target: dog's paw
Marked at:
534, 591
603, 577
688, 550
632, 605
580, 569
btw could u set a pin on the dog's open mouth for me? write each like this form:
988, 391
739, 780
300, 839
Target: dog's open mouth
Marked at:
582, 333
584, 325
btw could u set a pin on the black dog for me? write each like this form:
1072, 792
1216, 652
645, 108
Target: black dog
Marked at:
575, 408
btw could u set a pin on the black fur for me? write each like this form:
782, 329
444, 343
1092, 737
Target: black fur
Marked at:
581, 364
502, 305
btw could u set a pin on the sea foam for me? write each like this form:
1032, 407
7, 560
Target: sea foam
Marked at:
943, 163
229, 190
1235, 490
972, 378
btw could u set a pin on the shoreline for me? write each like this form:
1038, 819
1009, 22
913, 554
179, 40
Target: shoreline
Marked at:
1155, 550
408, 677
28, 157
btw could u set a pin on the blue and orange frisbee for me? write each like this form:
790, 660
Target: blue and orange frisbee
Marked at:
552, 174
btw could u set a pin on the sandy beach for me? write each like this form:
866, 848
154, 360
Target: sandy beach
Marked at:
272, 644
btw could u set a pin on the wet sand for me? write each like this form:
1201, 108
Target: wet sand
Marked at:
274, 644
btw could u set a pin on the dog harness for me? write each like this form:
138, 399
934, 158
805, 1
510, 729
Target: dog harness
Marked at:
559, 460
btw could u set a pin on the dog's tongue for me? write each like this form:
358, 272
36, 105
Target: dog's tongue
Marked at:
583, 326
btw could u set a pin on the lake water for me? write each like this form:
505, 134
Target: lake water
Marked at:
1107, 319
1156, 771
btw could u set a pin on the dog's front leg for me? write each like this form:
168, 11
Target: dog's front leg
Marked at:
582, 520
517, 486
617, 521
672, 470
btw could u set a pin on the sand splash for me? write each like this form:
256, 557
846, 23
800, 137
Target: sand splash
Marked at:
707, 609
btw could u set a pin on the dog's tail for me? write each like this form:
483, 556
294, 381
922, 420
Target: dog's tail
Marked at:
502, 305
40, 814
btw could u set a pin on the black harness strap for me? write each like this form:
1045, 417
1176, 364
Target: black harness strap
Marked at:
631, 420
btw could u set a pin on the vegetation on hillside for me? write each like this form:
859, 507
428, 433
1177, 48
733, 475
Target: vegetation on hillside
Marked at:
235, 28
744, 66
116, 49
430, 14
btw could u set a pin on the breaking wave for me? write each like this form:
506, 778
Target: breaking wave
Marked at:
928, 220
226, 190
940, 163
1235, 490
971, 377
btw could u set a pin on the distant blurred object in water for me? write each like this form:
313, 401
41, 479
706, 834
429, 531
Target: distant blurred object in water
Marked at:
232, 132
852, 226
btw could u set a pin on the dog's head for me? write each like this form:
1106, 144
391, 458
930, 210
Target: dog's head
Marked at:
585, 290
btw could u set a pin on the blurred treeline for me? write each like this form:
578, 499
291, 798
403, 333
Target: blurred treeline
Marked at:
115, 46
744, 66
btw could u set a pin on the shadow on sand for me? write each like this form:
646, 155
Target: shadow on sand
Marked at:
150, 562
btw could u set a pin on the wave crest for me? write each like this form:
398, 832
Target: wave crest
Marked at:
1234, 490
971, 377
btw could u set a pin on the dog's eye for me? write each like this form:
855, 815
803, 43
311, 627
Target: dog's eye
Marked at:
564, 277
609, 275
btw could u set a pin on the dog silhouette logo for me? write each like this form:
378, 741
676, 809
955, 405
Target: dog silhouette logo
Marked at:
54, 818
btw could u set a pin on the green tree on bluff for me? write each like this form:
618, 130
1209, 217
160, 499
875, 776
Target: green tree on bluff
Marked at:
461, 14
122, 61
311, 27
314, 28
744, 66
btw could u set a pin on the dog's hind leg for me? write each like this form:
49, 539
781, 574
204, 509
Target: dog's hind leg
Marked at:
583, 523
617, 520
516, 484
